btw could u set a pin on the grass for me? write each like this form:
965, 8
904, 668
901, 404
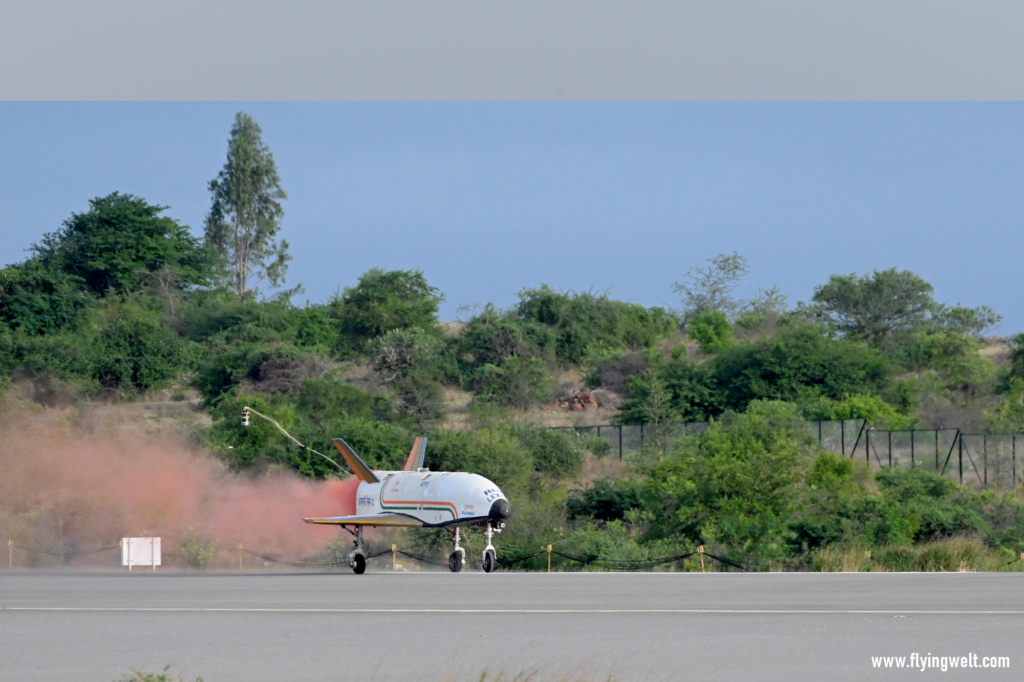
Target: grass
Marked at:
957, 554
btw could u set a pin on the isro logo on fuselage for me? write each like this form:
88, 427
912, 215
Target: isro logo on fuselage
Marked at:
365, 501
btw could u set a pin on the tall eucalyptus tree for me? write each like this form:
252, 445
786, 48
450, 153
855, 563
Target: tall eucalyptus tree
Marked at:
246, 213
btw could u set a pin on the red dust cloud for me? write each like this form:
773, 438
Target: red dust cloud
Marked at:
65, 492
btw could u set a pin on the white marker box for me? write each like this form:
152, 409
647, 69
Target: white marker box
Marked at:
140, 552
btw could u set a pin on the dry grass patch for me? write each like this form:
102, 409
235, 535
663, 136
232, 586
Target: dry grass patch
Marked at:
952, 555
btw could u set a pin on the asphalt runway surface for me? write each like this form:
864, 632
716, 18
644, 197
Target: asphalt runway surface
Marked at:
441, 626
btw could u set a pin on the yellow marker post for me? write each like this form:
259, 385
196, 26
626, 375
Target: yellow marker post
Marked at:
239, 556
394, 557
549, 558
700, 553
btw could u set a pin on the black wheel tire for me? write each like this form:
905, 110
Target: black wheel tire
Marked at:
358, 564
455, 562
490, 561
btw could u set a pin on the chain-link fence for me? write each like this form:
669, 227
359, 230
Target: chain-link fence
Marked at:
978, 460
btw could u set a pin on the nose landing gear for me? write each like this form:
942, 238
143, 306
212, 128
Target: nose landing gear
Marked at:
490, 557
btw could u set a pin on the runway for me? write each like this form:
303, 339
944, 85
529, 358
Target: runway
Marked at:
441, 626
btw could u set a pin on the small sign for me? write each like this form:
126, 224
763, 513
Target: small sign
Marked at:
140, 552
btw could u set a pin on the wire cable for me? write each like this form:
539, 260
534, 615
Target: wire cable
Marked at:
291, 437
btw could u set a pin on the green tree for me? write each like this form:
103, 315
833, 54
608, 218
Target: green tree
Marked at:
952, 352
648, 401
711, 330
875, 308
736, 484
798, 363
974, 321
120, 244
515, 382
246, 212
1016, 343
137, 352
861, 406
384, 300
567, 326
38, 300
710, 287
395, 353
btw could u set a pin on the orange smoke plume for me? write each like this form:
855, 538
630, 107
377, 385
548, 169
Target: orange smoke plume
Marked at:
66, 491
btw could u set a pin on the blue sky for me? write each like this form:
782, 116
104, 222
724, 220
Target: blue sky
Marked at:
489, 198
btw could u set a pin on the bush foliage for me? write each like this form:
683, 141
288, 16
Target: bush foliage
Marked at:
122, 301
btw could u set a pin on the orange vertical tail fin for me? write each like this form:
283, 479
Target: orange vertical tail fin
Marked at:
419, 450
359, 467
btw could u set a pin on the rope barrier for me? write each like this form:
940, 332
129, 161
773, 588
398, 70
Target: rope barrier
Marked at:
419, 558
624, 564
321, 562
725, 561
512, 562
67, 553
313, 562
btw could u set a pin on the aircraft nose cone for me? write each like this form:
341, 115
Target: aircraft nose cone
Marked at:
500, 510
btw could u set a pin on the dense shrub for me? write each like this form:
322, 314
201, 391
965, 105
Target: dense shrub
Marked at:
494, 453
137, 352
605, 500
614, 373
557, 454
36, 300
735, 484
384, 300
566, 326
515, 382
123, 244
711, 330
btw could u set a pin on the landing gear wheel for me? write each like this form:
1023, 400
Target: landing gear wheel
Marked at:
455, 562
490, 561
358, 564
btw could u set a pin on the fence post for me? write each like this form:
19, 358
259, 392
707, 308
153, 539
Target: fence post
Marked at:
549, 558
936, 449
394, 557
819, 433
984, 458
890, 449
867, 446
700, 553
620, 442
961, 439
842, 436
239, 556
10, 555
911, 449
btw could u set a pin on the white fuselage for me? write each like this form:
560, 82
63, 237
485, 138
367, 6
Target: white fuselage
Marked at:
436, 498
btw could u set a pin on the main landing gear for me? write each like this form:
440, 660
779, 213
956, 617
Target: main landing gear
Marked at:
458, 555
357, 558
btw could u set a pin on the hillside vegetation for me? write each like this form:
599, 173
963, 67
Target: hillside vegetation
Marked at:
123, 304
